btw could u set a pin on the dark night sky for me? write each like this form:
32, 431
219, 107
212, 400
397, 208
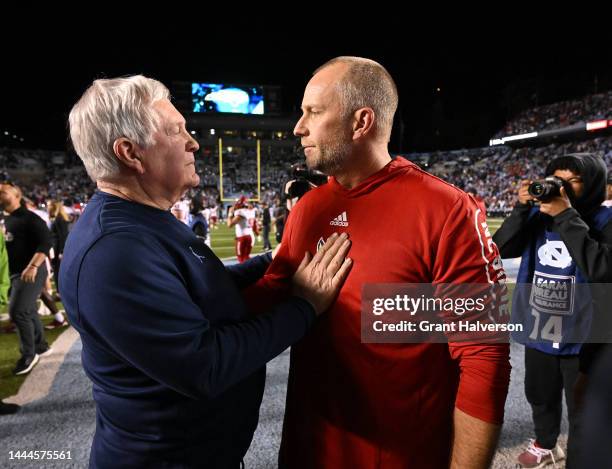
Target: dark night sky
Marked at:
482, 78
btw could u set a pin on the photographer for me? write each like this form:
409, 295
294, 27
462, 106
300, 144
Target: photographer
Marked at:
303, 180
565, 239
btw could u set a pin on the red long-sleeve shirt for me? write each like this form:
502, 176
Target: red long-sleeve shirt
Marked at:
358, 405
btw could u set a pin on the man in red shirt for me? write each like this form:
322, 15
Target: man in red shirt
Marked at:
360, 405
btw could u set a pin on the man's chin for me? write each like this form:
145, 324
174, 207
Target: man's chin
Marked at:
314, 164
319, 166
310, 162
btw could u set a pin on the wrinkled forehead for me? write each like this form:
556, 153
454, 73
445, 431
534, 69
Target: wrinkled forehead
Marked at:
167, 112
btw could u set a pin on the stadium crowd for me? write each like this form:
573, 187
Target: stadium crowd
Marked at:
566, 113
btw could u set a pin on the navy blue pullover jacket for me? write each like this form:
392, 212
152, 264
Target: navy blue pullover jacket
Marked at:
176, 363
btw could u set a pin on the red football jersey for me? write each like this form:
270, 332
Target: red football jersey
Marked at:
357, 405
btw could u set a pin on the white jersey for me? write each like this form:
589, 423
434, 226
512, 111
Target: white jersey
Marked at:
206, 215
181, 211
243, 227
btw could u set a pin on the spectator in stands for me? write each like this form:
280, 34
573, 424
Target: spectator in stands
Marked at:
28, 241
561, 114
478, 199
567, 239
176, 361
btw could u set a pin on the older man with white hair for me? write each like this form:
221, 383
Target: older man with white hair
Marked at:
177, 364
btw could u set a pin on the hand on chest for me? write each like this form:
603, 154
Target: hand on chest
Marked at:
383, 247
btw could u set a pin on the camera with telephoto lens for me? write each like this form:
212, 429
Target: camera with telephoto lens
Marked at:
302, 180
546, 189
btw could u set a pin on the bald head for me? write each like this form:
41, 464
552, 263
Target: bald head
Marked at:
15, 190
364, 83
10, 197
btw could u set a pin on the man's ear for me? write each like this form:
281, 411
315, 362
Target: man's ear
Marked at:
363, 122
128, 153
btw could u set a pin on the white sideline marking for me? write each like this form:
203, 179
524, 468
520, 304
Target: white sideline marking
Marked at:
39, 381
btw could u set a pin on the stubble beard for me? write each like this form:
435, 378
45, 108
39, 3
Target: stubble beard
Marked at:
331, 158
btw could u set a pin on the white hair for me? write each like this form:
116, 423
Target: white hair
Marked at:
367, 83
110, 109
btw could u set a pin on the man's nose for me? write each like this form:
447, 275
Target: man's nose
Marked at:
192, 144
299, 129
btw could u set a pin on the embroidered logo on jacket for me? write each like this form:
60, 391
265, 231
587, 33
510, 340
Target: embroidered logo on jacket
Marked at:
200, 257
340, 220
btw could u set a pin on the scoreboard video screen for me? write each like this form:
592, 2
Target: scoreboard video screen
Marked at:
221, 98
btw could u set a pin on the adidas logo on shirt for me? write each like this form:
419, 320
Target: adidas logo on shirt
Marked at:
340, 220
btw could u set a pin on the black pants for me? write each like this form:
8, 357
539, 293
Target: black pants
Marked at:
55, 265
24, 313
266, 237
546, 377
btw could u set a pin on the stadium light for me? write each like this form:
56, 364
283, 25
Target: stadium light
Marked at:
502, 141
597, 125
520, 137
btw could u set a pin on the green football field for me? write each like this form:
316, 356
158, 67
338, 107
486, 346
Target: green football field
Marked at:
222, 242
222, 239
494, 224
